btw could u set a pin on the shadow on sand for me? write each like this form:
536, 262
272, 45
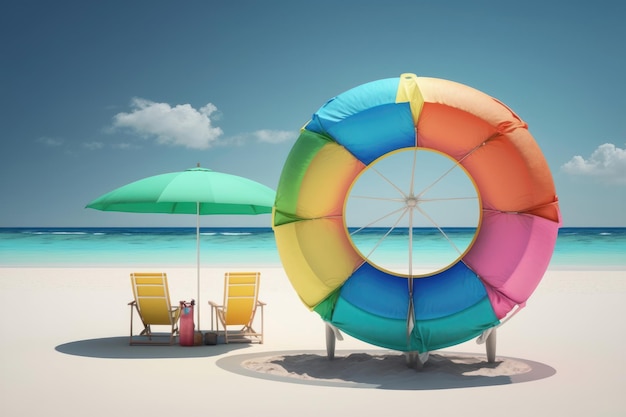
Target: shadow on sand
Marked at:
385, 369
118, 348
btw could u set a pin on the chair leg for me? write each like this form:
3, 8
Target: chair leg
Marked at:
146, 329
130, 342
261, 342
217, 327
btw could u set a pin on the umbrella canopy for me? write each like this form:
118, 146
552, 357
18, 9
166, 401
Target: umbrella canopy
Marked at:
198, 191
194, 191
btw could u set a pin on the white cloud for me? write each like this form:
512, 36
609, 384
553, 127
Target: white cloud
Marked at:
181, 125
607, 162
48, 141
275, 136
264, 136
93, 146
124, 146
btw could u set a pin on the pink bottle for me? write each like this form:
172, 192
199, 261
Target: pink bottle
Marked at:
186, 326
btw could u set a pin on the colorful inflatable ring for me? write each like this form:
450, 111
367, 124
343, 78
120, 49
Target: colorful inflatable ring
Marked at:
513, 244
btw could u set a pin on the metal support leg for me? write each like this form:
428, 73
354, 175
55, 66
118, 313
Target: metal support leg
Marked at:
416, 360
490, 344
330, 342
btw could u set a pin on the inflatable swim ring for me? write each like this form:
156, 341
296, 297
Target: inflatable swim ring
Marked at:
514, 239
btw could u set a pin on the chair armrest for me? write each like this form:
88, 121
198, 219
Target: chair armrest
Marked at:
214, 304
260, 303
175, 312
132, 303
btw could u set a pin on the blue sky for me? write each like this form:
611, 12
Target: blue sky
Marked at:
98, 94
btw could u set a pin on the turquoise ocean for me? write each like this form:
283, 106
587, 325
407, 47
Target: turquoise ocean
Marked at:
598, 248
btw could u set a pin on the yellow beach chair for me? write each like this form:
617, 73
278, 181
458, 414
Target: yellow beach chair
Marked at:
241, 301
152, 303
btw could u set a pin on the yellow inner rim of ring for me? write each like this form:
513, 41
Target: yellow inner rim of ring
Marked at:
414, 196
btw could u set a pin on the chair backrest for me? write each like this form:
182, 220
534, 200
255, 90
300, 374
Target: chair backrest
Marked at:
152, 297
241, 291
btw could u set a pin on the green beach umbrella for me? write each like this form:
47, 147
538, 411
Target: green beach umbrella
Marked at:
198, 191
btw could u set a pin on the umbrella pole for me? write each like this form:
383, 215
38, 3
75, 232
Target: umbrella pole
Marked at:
198, 260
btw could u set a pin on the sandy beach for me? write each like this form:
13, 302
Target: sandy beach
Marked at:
65, 351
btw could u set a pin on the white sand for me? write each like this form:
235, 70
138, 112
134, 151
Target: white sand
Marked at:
65, 352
